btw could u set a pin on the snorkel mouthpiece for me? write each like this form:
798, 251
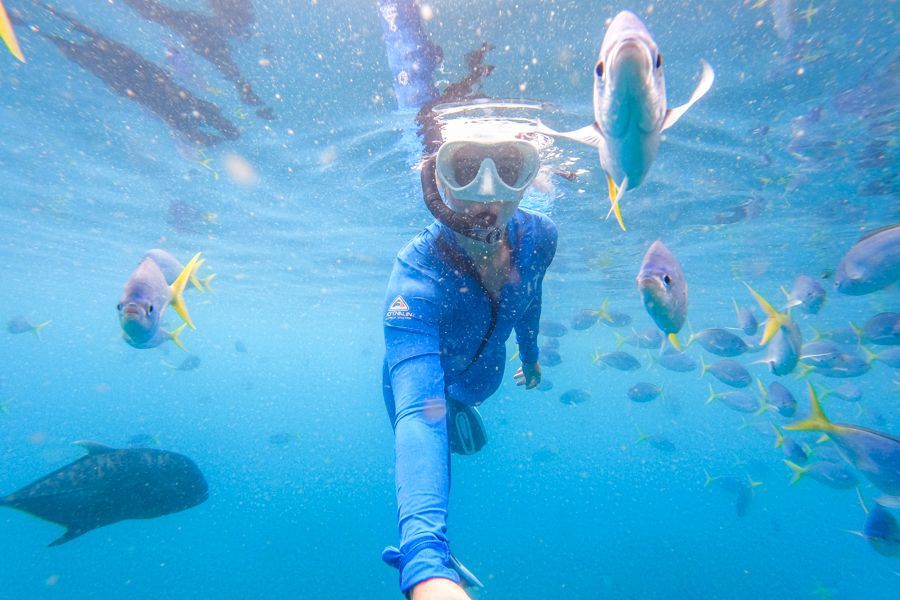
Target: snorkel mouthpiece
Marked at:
481, 227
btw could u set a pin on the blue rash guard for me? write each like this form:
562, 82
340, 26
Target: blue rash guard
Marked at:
445, 337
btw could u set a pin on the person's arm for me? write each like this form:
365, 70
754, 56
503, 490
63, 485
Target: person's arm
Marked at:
422, 451
439, 589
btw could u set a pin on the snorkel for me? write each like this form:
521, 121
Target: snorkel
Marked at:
482, 228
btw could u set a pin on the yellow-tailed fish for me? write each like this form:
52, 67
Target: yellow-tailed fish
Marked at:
9, 35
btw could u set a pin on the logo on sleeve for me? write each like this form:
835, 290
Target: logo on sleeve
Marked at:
398, 309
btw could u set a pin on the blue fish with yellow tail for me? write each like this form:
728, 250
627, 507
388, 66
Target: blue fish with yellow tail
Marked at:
630, 108
873, 453
664, 290
147, 295
871, 264
881, 530
782, 336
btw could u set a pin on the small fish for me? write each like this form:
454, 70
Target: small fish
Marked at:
845, 365
612, 318
875, 454
807, 295
782, 336
848, 392
745, 319
833, 475
881, 530
545, 385
720, 342
240, 346
644, 392
144, 301
20, 324
190, 363
781, 398
630, 111
552, 328
584, 319
575, 396
548, 357
656, 441
110, 485
8, 35
740, 487
283, 438
678, 362
664, 290
728, 371
738, 400
618, 360
882, 330
651, 337
871, 264
793, 451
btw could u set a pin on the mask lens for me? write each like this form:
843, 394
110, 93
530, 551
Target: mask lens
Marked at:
507, 159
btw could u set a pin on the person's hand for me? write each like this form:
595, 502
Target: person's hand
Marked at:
529, 375
439, 589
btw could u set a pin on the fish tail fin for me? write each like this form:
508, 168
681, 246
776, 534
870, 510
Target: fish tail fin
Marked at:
620, 340
804, 369
817, 420
198, 285
709, 478
8, 34
774, 321
673, 339
642, 437
817, 335
797, 469
857, 331
712, 395
616, 192
691, 336
779, 437
603, 311
763, 392
173, 335
206, 281
36, 329
871, 357
596, 357
703, 368
177, 289
753, 484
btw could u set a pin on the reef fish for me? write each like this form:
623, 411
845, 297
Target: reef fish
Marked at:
644, 392
720, 342
144, 301
110, 485
882, 531
785, 343
630, 110
618, 360
807, 295
882, 330
728, 371
663, 290
871, 264
20, 324
875, 454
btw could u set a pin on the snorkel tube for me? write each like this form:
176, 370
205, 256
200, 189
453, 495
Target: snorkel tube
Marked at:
482, 229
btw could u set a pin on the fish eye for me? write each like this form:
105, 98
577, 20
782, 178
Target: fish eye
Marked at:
599, 69
150, 310
119, 307
667, 280
659, 60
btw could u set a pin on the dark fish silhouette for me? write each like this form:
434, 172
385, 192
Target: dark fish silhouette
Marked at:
110, 485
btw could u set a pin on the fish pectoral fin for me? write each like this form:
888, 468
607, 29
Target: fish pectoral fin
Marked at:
71, 533
615, 196
589, 135
706, 80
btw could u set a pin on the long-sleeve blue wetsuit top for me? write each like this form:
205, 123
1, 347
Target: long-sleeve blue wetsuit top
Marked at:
438, 319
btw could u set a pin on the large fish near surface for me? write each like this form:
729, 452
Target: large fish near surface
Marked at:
630, 110
148, 292
110, 485
871, 264
875, 454
664, 290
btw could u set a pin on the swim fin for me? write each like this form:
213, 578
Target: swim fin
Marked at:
465, 428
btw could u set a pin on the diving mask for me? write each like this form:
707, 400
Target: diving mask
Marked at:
479, 171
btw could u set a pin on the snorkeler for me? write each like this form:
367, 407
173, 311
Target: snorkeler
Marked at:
132, 76
456, 293
208, 36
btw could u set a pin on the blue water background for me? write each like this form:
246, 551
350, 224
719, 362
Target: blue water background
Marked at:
562, 503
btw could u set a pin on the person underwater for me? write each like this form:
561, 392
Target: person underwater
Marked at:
157, 282
456, 293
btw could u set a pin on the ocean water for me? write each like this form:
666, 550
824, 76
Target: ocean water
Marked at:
776, 172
